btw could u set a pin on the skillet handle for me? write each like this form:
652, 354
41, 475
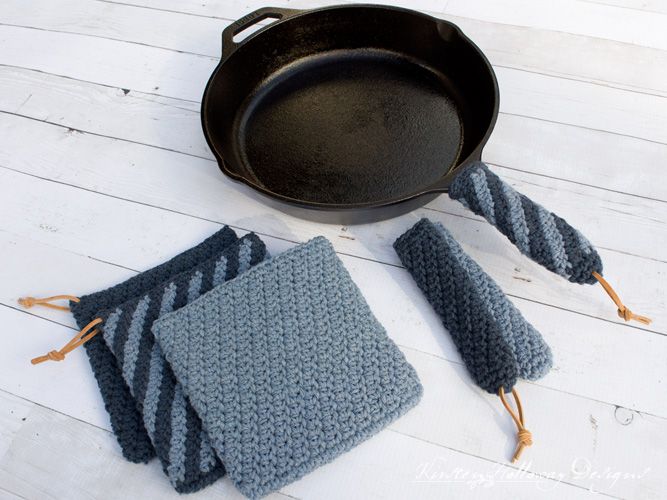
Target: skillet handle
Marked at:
228, 34
536, 232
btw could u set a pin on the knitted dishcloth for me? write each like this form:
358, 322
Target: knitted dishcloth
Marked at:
287, 367
126, 421
496, 343
536, 232
174, 428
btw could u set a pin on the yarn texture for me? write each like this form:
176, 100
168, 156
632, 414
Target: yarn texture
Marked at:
536, 232
287, 367
173, 426
126, 421
497, 344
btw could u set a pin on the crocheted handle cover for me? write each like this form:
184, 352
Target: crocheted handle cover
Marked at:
536, 232
496, 343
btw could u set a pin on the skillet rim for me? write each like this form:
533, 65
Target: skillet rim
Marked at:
439, 186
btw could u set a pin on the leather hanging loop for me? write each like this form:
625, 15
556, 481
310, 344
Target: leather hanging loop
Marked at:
623, 311
524, 437
29, 302
81, 338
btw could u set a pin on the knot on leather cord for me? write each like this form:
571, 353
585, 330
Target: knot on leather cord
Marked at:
55, 356
524, 437
627, 315
28, 302
623, 312
79, 339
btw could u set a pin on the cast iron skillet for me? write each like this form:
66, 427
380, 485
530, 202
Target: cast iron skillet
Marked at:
348, 114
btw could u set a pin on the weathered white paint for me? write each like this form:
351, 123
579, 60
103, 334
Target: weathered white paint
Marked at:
128, 170
583, 131
579, 57
518, 142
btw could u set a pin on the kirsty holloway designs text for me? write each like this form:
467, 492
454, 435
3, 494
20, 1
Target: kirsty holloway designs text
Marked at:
581, 472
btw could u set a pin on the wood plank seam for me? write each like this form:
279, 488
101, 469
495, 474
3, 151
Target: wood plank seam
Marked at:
200, 54
627, 325
389, 429
192, 155
401, 345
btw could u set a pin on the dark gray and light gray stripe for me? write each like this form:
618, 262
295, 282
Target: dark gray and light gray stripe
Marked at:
172, 425
124, 417
537, 233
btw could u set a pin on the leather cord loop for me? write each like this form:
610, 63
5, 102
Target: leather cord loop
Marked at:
81, 338
524, 437
29, 302
623, 311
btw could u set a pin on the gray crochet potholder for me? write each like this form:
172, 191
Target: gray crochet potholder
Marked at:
287, 367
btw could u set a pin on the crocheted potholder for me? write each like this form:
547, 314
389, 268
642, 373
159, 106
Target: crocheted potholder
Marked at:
497, 344
287, 367
174, 428
126, 421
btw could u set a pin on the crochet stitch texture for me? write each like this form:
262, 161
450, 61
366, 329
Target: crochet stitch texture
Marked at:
173, 426
287, 367
126, 421
496, 343
536, 232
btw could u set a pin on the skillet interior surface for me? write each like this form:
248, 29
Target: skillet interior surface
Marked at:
349, 106
350, 126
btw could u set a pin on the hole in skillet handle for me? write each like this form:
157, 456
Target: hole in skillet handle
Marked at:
246, 32
234, 34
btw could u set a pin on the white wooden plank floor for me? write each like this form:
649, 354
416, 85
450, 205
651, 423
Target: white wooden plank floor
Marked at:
104, 172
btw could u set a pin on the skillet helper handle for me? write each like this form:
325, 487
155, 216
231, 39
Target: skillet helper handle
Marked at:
536, 232
228, 34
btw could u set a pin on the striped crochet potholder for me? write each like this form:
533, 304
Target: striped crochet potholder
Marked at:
126, 422
174, 428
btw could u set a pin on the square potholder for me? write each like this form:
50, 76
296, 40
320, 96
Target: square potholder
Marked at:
126, 421
287, 367
174, 428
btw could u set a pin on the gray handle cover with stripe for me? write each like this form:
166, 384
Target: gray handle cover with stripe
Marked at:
536, 232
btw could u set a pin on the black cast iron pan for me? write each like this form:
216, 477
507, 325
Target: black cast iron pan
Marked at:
350, 113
